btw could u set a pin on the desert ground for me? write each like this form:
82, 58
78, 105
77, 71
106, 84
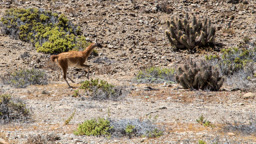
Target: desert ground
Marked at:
132, 33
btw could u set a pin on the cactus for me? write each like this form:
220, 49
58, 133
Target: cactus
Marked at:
185, 35
200, 75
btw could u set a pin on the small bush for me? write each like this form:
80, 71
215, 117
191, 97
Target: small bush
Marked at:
232, 60
24, 78
12, 109
129, 130
47, 31
101, 90
42, 139
134, 128
156, 75
238, 65
204, 122
99, 127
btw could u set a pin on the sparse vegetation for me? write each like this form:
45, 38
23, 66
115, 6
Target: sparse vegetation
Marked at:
190, 33
204, 122
156, 75
25, 77
129, 130
134, 128
155, 133
238, 65
100, 90
49, 32
120, 128
76, 93
12, 109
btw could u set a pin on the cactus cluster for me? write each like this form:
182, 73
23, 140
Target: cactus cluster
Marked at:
189, 34
199, 75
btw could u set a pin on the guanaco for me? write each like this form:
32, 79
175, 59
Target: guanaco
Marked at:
74, 59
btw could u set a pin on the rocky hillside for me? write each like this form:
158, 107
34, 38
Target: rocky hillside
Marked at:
132, 33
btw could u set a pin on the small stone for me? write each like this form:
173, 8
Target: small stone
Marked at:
231, 134
249, 95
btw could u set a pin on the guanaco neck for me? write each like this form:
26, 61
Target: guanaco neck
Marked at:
88, 50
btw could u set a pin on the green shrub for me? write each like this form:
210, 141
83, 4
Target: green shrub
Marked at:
201, 142
99, 127
100, 89
232, 60
26, 77
12, 109
238, 66
155, 133
129, 130
204, 122
49, 32
156, 75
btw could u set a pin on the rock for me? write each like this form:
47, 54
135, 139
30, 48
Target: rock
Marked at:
249, 95
231, 134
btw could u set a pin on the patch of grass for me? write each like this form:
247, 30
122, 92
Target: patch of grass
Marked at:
204, 122
94, 127
101, 90
155, 133
76, 93
12, 109
119, 128
47, 31
156, 75
25, 77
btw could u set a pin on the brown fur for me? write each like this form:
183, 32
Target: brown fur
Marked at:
73, 58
